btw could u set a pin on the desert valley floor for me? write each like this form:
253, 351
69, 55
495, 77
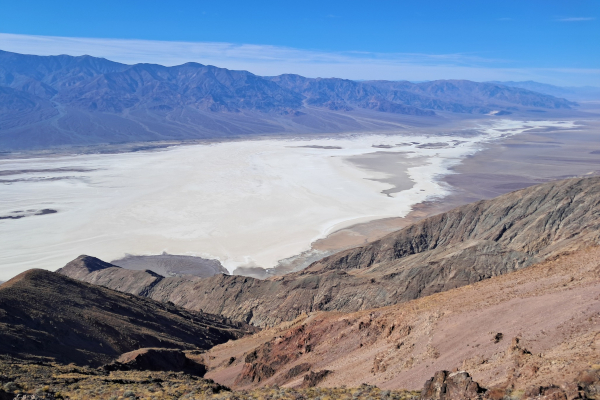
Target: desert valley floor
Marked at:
254, 203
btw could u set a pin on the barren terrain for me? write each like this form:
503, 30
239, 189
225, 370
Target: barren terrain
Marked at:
49, 317
536, 326
515, 162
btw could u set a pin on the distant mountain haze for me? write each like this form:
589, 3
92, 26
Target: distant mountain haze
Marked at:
577, 93
48, 101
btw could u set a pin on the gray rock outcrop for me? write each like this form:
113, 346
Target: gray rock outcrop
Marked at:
156, 359
452, 386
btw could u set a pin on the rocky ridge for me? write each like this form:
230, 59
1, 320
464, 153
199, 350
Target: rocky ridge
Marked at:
48, 316
460, 247
172, 265
446, 385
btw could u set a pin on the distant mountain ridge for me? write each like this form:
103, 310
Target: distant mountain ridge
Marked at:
48, 101
570, 92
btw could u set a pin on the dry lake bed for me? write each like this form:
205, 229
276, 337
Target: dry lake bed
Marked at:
245, 203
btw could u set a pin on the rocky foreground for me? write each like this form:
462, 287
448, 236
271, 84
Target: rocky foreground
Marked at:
539, 326
31, 381
26, 381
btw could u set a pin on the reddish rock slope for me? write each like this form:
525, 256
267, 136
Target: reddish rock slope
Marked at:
537, 326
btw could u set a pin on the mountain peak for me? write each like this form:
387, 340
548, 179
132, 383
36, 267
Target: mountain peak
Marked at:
84, 265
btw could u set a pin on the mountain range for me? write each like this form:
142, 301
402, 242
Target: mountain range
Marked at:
497, 299
49, 101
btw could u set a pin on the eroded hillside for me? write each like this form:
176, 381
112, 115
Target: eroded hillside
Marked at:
48, 316
537, 326
460, 247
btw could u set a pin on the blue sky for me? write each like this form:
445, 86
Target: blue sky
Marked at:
550, 41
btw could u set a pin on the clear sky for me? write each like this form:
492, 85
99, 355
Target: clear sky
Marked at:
552, 41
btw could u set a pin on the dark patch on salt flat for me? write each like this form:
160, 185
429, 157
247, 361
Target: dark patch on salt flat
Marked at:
436, 145
42, 171
172, 265
29, 213
314, 146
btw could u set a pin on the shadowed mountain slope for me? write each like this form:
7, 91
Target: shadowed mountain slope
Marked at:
576, 93
528, 225
446, 251
45, 314
344, 94
48, 101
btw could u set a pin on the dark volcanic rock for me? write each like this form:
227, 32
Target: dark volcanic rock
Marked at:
452, 386
459, 385
45, 314
296, 370
156, 359
312, 379
267, 359
551, 392
588, 382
